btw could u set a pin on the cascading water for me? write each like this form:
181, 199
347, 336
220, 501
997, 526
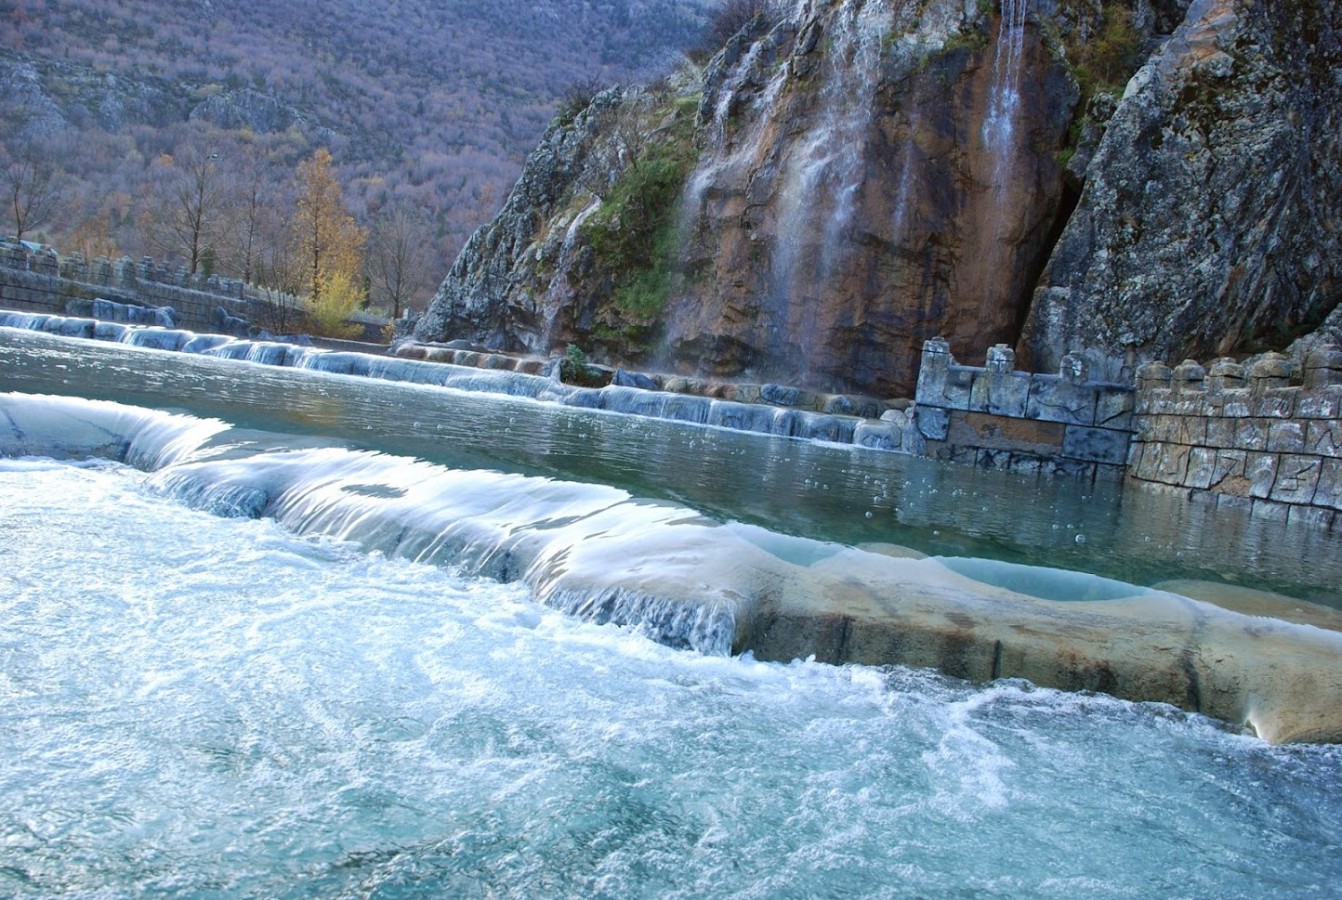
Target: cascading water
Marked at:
905, 185
728, 151
999, 125
689, 581
824, 174
194, 705
559, 293
613, 398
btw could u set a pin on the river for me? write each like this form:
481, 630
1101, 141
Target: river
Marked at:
195, 704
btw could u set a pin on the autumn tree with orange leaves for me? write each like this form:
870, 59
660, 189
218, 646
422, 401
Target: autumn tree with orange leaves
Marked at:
329, 248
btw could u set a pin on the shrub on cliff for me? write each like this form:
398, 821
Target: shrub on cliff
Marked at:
634, 232
730, 18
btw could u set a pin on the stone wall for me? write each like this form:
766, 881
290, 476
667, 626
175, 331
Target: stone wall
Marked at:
1262, 435
44, 281
999, 418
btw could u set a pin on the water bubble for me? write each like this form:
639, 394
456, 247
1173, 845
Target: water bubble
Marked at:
1080, 538
868, 514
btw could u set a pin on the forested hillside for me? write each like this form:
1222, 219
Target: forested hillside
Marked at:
428, 106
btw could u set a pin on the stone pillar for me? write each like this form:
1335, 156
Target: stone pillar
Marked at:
1001, 390
1269, 372
1154, 375
936, 362
1323, 366
1001, 359
1189, 377
1225, 375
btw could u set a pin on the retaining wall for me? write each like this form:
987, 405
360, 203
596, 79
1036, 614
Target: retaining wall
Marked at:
44, 281
1258, 435
997, 417
48, 282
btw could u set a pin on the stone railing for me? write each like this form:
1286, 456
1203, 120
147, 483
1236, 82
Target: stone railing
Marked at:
123, 271
1252, 435
997, 417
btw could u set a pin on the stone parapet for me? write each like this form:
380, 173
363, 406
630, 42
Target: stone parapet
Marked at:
1260, 435
997, 417
41, 280
37, 279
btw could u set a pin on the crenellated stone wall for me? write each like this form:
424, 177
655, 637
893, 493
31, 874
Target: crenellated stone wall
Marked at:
1261, 435
997, 417
44, 281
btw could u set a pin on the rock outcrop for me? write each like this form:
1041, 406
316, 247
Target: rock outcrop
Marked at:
849, 181
44, 101
873, 177
1209, 222
495, 291
856, 176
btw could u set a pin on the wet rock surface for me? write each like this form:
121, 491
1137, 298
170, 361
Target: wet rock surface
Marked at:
853, 178
1208, 222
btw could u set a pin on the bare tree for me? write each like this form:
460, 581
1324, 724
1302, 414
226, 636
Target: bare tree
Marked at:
733, 15
280, 275
398, 256
254, 210
32, 189
192, 213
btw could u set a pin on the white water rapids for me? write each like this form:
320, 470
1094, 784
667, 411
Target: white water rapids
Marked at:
201, 706
207, 706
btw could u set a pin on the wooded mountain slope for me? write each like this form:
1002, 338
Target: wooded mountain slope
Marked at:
429, 103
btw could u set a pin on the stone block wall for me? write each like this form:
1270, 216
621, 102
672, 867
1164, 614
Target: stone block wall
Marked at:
43, 281
997, 417
1260, 435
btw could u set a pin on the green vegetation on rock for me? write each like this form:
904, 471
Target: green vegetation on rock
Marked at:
633, 233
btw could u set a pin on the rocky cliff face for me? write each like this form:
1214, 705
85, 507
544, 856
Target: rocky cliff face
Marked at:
859, 175
874, 175
1209, 223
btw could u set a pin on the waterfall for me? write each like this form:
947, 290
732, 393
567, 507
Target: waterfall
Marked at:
778, 421
559, 293
824, 175
690, 581
722, 155
1004, 94
904, 190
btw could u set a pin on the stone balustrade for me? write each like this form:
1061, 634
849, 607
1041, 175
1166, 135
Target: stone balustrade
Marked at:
40, 280
1256, 435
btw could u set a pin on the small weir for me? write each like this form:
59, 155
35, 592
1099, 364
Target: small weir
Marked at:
692, 582
763, 419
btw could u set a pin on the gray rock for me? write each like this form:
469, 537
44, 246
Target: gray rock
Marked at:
479, 296
624, 378
1199, 224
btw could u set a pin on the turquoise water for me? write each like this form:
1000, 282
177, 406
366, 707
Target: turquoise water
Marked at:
808, 489
199, 706
206, 706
